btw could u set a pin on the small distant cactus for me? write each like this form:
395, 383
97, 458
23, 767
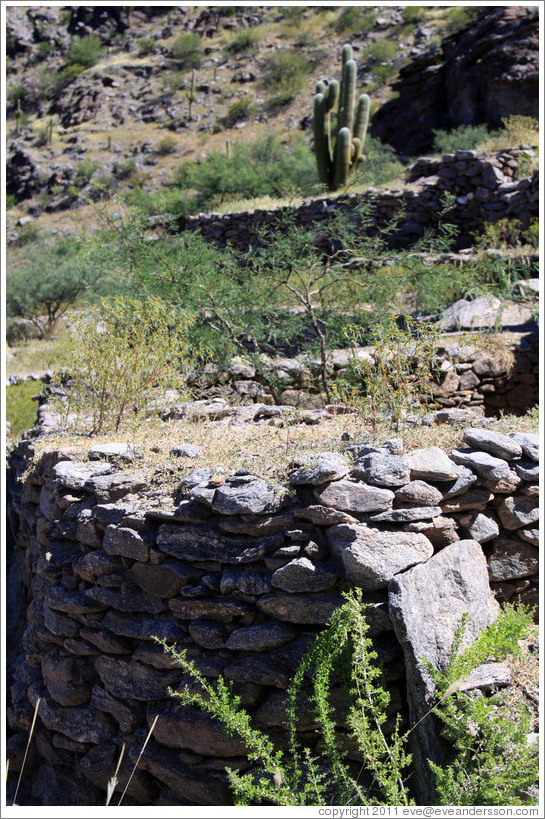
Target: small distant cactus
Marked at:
336, 162
18, 114
191, 95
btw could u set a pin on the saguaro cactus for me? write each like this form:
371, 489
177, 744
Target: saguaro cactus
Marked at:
336, 162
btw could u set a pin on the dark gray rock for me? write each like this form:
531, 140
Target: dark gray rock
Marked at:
197, 543
185, 451
82, 724
306, 609
95, 564
516, 511
432, 464
407, 515
127, 452
419, 493
262, 637
355, 497
437, 593
69, 680
381, 469
302, 575
474, 499
530, 536
324, 515
529, 443
165, 579
370, 558
258, 669
127, 679
459, 486
137, 601
246, 496
527, 470
190, 727
120, 540
207, 635
74, 475
479, 526
112, 487
485, 465
487, 677
214, 608
249, 581
318, 469
511, 558
496, 444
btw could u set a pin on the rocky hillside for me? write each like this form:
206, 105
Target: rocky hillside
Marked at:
107, 92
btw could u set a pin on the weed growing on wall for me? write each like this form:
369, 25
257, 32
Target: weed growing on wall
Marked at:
123, 351
390, 384
491, 761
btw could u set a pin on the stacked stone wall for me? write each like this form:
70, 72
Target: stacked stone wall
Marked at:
486, 187
240, 573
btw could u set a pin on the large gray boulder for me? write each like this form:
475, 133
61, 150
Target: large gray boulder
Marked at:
426, 605
370, 558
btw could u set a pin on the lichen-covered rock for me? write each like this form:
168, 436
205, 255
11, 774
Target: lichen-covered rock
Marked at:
511, 558
246, 495
432, 464
262, 637
479, 526
302, 575
318, 469
384, 470
419, 493
370, 558
355, 497
501, 446
517, 511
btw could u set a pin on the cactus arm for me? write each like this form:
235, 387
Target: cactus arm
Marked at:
322, 139
342, 158
346, 54
348, 89
362, 118
332, 94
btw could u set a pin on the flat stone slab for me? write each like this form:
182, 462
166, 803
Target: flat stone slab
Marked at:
371, 558
382, 469
262, 637
193, 542
516, 511
529, 443
512, 558
315, 470
486, 677
355, 497
324, 515
432, 464
496, 444
253, 496
479, 526
407, 515
419, 493
302, 575
484, 464
300, 608
122, 450
75, 474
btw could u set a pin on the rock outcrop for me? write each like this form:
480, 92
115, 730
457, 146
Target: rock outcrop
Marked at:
485, 71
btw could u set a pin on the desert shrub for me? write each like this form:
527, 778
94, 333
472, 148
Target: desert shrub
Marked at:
286, 74
462, 138
146, 46
84, 51
21, 410
263, 168
460, 16
381, 164
45, 48
124, 168
390, 385
166, 145
84, 172
11, 200
413, 14
380, 51
65, 77
492, 762
355, 20
187, 51
242, 41
240, 109
47, 280
516, 130
123, 351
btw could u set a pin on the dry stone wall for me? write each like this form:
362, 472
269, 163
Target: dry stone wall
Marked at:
486, 187
242, 573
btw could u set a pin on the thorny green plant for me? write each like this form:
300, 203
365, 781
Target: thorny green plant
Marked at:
479, 772
123, 351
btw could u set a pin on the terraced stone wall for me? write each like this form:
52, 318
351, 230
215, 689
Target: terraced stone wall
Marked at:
486, 186
241, 573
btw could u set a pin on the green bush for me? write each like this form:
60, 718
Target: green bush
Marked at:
146, 46
47, 280
462, 138
355, 20
166, 145
21, 410
187, 51
243, 108
84, 172
65, 77
242, 41
413, 14
84, 51
286, 74
461, 16
123, 351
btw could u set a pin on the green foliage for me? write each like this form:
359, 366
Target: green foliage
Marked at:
11, 200
65, 77
240, 109
124, 169
242, 41
299, 778
379, 56
146, 46
45, 48
20, 408
187, 51
355, 20
460, 16
381, 164
123, 351
166, 145
492, 764
263, 168
84, 172
506, 233
390, 385
413, 14
335, 162
47, 280
462, 138
286, 74
84, 51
